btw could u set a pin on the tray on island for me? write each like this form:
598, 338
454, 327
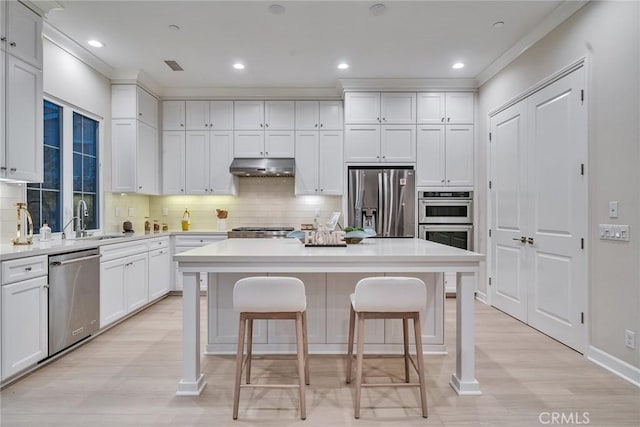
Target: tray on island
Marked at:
312, 245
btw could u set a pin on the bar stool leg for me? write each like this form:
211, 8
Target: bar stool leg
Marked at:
239, 357
420, 361
306, 348
352, 321
301, 370
405, 335
249, 348
360, 357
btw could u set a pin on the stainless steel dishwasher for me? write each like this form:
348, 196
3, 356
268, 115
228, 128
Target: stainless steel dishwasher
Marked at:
74, 297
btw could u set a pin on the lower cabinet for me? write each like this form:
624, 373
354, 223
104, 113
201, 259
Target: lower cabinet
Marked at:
327, 316
131, 275
24, 325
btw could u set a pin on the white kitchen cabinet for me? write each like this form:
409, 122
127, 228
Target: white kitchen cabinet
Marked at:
136, 281
208, 157
255, 143
318, 162
319, 115
445, 156
209, 115
173, 115
445, 107
124, 284
263, 115
159, 268
21, 34
173, 162
129, 101
135, 146
380, 108
375, 143
24, 324
21, 142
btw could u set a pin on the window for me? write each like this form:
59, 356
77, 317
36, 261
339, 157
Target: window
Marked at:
85, 166
45, 200
71, 138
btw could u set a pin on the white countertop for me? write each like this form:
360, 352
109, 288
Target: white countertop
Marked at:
287, 254
9, 251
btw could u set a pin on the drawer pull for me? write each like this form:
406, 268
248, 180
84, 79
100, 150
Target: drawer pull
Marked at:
27, 269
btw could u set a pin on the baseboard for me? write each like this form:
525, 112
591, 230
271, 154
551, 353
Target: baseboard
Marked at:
612, 364
482, 297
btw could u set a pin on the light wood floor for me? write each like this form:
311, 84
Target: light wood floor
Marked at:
128, 377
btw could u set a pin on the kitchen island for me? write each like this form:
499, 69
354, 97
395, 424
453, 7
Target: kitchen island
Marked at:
242, 257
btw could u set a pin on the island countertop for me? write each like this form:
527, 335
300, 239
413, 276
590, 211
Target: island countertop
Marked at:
285, 254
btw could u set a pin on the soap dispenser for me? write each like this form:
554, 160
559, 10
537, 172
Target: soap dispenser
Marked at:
45, 232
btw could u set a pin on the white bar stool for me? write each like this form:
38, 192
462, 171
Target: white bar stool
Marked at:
270, 298
388, 298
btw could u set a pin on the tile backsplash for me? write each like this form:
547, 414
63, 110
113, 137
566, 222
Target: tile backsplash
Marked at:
260, 202
10, 194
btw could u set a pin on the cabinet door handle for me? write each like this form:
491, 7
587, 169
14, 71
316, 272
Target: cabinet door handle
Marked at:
261, 125
3, 168
139, 187
140, 114
384, 157
316, 189
442, 181
322, 189
530, 240
378, 119
442, 120
321, 124
46, 286
267, 125
384, 119
522, 239
13, 170
316, 125
181, 125
266, 153
206, 125
12, 44
182, 189
210, 125
448, 119
3, 39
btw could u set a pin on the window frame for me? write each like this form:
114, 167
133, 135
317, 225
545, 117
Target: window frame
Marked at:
66, 174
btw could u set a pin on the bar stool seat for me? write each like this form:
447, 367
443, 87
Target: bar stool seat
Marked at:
388, 298
270, 298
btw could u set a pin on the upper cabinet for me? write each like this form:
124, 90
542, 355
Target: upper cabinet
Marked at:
21, 34
130, 101
380, 108
134, 140
437, 108
173, 115
264, 115
209, 115
318, 115
21, 120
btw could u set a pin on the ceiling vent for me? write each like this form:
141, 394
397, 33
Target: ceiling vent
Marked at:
174, 65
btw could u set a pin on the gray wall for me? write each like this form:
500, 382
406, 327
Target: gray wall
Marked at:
608, 34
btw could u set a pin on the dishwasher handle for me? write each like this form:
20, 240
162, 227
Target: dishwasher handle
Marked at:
72, 261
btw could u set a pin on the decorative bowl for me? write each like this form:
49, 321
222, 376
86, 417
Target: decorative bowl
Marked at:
352, 240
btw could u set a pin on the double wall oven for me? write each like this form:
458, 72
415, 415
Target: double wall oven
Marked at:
446, 217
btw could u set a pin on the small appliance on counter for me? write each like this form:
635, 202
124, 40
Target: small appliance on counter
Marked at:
127, 227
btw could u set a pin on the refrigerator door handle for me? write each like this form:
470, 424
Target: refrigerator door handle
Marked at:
381, 205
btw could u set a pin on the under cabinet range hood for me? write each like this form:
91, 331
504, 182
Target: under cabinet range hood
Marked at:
279, 167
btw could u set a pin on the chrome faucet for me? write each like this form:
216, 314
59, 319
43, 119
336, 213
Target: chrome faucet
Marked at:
81, 213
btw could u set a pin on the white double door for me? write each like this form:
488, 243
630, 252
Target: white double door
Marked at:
539, 210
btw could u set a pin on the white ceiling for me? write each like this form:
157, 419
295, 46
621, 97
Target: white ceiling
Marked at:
302, 47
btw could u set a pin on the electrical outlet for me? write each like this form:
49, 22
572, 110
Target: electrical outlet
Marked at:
613, 209
629, 339
316, 212
117, 213
165, 211
131, 212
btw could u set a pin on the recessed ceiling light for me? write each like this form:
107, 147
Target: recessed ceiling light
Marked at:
95, 43
457, 65
343, 66
174, 27
277, 9
378, 9
498, 24
238, 66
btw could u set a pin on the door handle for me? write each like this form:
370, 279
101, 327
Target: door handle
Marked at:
522, 239
530, 240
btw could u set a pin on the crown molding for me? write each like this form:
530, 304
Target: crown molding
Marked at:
250, 93
409, 85
554, 19
76, 50
137, 77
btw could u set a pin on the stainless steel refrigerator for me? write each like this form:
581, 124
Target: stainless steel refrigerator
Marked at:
382, 199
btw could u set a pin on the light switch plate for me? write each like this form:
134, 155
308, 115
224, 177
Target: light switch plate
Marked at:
165, 211
619, 232
117, 212
131, 212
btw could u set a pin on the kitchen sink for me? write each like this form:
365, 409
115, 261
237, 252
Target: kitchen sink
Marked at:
103, 237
